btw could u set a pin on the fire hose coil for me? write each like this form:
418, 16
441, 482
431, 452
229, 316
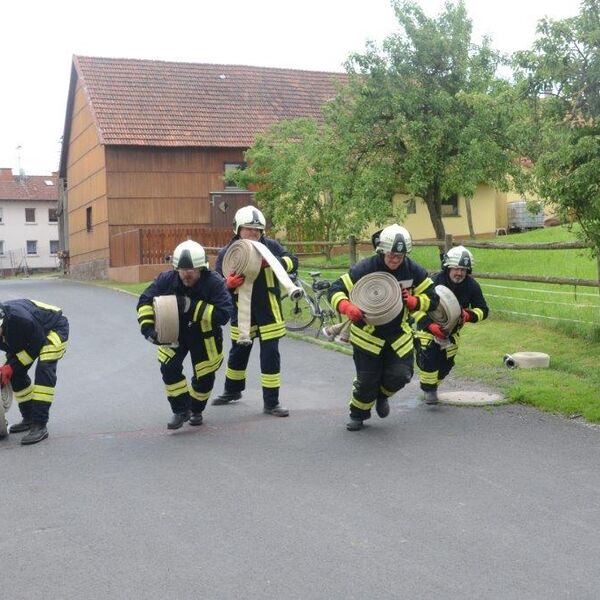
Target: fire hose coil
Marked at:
166, 317
244, 257
379, 296
448, 311
527, 360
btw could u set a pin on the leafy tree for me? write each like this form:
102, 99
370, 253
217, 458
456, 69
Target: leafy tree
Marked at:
432, 103
561, 75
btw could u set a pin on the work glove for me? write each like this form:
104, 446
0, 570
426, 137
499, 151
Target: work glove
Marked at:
411, 302
351, 310
6, 372
184, 303
234, 281
465, 316
437, 331
150, 334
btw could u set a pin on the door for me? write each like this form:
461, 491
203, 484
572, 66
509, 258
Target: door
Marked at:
223, 206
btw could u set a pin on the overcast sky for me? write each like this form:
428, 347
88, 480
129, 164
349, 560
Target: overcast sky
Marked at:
38, 40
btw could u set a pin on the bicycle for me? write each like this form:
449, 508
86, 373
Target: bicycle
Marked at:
302, 312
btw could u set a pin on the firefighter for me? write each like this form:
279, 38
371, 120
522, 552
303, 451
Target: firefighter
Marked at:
436, 352
383, 354
204, 306
30, 331
266, 321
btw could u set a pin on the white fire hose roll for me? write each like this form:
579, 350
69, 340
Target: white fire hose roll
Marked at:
166, 315
379, 296
6, 398
244, 257
527, 360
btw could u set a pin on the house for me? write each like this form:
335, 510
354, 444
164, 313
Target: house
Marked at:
145, 148
29, 238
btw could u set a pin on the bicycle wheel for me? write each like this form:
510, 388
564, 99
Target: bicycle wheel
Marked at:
327, 314
298, 314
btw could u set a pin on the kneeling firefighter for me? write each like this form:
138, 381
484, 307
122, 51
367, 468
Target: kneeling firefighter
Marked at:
383, 354
204, 306
435, 352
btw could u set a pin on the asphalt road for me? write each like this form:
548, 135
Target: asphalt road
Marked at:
430, 503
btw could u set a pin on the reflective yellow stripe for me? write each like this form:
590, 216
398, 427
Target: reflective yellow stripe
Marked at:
269, 277
23, 395
211, 348
235, 375
208, 366
337, 298
235, 332
165, 354
145, 310
177, 389
288, 263
202, 396
24, 358
385, 392
424, 337
199, 306
427, 282
403, 347
361, 405
206, 322
364, 340
418, 315
43, 393
270, 380
54, 338
429, 377
478, 312
272, 331
347, 281
46, 306
275, 308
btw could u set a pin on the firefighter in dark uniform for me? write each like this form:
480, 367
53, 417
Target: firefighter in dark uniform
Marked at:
383, 354
30, 331
266, 321
204, 307
435, 350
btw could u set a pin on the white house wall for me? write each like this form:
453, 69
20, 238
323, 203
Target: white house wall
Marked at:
15, 232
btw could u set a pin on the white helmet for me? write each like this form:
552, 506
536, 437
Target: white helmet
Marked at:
458, 257
392, 238
249, 216
189, 255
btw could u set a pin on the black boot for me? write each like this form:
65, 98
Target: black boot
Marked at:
226, 397
276, 411
354, 424
24, 425
178, 420
196, 419
382, 407
431, 397
37, 433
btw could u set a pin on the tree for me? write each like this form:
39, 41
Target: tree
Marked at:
432, 104
561, 76
311, 185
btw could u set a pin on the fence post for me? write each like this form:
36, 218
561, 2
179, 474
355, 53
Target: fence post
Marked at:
447, 242
352, 247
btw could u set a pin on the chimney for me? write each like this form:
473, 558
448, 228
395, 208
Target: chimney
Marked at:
6, 174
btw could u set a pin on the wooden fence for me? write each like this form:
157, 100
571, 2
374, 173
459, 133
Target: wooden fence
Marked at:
153, 245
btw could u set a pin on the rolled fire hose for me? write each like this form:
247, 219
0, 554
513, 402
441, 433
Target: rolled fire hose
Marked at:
6, 398
166, 315
527, 360
244, 257
447, 314
378, 295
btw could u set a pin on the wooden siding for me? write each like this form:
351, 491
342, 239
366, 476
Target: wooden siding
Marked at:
86, 186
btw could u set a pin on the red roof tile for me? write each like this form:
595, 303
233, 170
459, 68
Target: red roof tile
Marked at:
153, 103
28, 187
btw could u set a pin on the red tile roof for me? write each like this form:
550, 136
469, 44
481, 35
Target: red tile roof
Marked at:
154, 103
28, 187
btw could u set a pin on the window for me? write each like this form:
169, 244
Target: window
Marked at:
53, 246
53, 215
1, 247
232, 166
450, 206
31, 246
30, 215
88, 218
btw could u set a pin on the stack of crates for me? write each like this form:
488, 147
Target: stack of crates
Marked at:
520, 216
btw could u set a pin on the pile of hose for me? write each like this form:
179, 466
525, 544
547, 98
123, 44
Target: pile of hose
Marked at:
166, 316
244, 257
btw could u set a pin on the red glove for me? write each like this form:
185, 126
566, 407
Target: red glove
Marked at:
6, 372
437, 331
466, 316
351, 310
234, 280
264, 263
411, 302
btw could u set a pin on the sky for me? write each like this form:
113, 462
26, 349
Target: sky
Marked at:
38, 41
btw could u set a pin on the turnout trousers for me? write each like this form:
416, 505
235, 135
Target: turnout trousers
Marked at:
270, 367
206, 354
433, 362
34, 400
377, 377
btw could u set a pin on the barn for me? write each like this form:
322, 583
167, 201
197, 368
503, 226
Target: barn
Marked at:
145, 148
